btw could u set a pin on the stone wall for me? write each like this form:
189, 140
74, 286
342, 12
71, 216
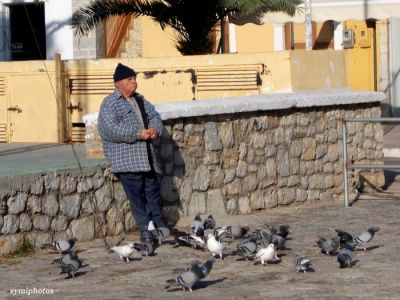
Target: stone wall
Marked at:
235, 162
240, 163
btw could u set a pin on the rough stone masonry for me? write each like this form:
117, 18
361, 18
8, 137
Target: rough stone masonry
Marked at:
228, 156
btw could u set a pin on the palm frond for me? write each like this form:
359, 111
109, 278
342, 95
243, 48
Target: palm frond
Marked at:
86, 18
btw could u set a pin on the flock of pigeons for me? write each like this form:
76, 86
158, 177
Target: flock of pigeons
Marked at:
260, 246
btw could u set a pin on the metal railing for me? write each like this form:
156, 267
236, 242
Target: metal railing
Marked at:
348, 167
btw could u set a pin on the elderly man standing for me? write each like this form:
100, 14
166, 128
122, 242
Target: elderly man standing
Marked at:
128, 124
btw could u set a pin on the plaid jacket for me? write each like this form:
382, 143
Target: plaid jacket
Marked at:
120, 129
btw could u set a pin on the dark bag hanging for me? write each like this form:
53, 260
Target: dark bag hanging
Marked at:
140, 103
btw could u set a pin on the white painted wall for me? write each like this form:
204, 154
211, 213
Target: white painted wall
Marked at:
232, 38
338, 35
279, 36
59, 34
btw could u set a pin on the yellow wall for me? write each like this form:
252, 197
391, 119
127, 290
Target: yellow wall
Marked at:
166, 80
317, 69
157, 42
251, 38
30, 88
360, 59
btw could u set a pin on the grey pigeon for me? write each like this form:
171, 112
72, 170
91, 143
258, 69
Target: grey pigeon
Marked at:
62, 246
364, 238
188, 278
237, 231
206, 267
144, 249
193, 241
246, 248
197, 226
72, 255
345, 258
302, 263
265, 235
279, 242
160, 234
222, 234
209, 223
328, 245
71, 267
271, 229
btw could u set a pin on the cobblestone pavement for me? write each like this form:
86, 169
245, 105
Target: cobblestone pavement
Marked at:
376, 274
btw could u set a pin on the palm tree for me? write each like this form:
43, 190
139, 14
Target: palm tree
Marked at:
193, 20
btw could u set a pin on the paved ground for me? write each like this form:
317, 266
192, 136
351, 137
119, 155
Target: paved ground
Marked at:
375, 276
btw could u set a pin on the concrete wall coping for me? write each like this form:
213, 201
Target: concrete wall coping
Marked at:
266, 102
312, 98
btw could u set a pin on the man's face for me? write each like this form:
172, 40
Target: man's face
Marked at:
127, 86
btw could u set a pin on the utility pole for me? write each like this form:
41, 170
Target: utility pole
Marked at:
308, 24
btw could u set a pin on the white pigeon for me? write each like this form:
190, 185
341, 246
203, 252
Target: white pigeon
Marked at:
214, 246
267, 254
124, 251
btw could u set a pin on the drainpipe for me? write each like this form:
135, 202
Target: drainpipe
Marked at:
308, 24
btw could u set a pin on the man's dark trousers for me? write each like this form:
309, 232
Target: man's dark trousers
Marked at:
143, 192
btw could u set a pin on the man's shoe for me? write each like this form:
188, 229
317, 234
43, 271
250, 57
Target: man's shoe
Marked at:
146, 237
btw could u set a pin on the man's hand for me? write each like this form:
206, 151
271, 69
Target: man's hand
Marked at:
153, 133
148, 134
145, 135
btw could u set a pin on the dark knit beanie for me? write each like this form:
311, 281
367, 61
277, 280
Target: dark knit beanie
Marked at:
122, 72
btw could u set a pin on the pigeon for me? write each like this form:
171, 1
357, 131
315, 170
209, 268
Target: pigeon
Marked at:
188, 278
349, 245
222, 234
302, 263
344, 258
365, 237
71, 267
265, 235
344, 236
72, 255
246, 248
160, 234
267, 254
124, 251
193, 241
272, 230
144, 249
237, 231
214, 246
206, 267
283, 231
62, 246
209, 223
279, 242
197, 226
328, 245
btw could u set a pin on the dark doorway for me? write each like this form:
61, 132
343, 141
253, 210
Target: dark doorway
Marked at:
28, 35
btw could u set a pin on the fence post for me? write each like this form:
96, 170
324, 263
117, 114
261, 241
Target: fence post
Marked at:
345, 180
